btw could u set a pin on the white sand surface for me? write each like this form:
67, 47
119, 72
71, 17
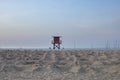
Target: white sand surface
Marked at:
34, 64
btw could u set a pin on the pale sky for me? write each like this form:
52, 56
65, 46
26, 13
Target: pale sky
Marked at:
81, 23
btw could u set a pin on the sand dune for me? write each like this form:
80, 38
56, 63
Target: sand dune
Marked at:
23, 64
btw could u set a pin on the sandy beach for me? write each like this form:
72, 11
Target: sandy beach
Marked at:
35, 64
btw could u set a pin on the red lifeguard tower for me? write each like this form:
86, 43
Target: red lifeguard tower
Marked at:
56, 42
